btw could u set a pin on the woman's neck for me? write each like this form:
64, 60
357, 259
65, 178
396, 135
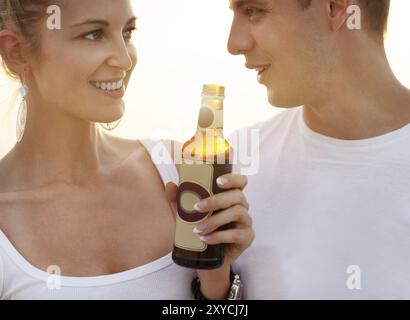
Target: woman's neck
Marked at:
58, 147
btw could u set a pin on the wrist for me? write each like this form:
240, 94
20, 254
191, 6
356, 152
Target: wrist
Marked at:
215, 284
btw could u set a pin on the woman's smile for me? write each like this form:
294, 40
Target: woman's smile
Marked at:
114, 89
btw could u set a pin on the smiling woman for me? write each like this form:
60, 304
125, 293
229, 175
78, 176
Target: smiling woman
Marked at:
71, 195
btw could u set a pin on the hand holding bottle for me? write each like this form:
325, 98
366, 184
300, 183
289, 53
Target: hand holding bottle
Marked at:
236, 239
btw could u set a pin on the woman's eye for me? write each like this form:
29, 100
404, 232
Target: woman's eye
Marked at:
93, 35
97, 34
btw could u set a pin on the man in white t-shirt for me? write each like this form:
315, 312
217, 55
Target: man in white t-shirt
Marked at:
331, 198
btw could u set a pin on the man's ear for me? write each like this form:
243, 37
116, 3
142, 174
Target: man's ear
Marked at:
338, 13
11, 51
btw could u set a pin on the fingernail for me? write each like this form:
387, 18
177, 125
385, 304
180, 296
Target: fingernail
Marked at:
201, 205
199, 228
204, 238
221, 181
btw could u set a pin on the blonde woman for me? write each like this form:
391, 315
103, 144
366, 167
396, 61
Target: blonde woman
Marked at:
83, 214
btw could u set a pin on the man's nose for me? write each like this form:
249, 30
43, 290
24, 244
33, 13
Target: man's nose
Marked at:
240, 40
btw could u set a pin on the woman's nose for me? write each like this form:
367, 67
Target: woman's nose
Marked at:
123, 57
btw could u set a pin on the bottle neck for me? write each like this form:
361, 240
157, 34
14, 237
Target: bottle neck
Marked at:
211, 114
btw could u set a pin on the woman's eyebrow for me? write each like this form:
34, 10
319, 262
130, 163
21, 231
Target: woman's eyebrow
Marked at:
100, 22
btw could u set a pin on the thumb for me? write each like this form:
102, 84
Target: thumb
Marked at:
171, 193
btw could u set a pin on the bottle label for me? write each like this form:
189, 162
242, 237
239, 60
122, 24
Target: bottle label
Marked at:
196, 181
210, 118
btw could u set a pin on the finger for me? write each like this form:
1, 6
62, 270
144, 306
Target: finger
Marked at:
237, 214
222, 200
232, 181
244, 237
171, 192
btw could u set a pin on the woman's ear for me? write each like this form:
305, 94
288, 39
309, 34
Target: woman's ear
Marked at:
11, 51
338, 13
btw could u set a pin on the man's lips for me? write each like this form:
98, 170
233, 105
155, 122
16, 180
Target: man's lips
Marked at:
260, 68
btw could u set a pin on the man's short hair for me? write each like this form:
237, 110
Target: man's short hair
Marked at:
375, 13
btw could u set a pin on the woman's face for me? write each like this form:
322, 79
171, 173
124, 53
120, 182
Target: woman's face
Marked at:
92, 49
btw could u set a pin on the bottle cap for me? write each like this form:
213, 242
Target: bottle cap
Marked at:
213, 90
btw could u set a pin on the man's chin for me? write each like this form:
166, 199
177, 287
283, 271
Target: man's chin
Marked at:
281, 101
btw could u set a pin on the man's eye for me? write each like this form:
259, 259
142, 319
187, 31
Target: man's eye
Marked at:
93, 35
128, 33
251, 12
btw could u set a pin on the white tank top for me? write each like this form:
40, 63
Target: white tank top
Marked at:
160, 279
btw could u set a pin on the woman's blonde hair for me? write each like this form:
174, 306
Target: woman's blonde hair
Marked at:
22, 16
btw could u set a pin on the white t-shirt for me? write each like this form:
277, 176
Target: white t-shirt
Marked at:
332, 217
157, 280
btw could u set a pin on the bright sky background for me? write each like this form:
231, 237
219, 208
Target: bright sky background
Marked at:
181, 46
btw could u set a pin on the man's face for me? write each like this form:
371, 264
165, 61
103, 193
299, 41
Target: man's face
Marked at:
285, 44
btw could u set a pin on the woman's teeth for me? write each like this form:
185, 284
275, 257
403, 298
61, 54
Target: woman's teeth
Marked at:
109, 86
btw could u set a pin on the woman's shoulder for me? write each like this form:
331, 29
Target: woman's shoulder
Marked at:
165, 154
138, 155
166, 150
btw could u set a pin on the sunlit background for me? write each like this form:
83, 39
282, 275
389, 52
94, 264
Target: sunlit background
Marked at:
181, 46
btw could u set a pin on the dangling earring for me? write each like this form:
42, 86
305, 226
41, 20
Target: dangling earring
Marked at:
111, 126
22, 113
